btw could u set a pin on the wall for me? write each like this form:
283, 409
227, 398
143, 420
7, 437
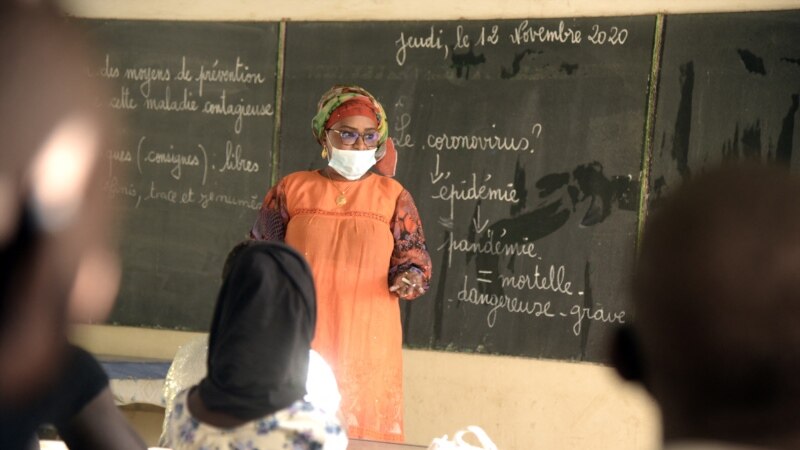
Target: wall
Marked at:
522, 403
400, 9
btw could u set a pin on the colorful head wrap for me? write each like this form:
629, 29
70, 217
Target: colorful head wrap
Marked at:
356, 106
343, 101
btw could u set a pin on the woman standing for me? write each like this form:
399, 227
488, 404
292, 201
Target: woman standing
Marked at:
362, 235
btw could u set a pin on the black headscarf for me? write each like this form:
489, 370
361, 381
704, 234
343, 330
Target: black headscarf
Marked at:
261, 333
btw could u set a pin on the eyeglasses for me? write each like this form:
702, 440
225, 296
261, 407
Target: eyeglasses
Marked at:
370, 138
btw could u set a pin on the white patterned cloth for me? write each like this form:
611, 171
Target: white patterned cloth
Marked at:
298, 427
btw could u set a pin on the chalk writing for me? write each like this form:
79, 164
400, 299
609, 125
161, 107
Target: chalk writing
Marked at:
182, 86
432, 41
460, 42
146, 75
115, 188
207, 198
490, 246
107, 71
188, 195
493, 37
184, 74
175, 159
234, 160
464, 41
553, 281
240, 74
222, 107
598, 315
500, 302
124, 100
167, 103
447, 142
119, 156
475, 191
437, 175
402, 138
525, 34
614, 36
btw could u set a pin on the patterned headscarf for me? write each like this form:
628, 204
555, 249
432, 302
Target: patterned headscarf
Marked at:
261, 332
336, 97
341, 94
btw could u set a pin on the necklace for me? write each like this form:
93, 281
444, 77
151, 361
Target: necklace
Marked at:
341, 200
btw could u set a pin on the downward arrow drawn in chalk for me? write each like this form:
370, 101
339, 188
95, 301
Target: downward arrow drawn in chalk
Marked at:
438, 175
477, 219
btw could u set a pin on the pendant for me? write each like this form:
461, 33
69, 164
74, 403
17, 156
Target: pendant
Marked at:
341, 200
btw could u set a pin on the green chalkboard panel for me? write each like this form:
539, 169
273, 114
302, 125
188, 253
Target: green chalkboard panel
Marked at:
728, 91
198, 103
521, 142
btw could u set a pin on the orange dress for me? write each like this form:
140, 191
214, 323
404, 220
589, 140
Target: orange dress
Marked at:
354, 251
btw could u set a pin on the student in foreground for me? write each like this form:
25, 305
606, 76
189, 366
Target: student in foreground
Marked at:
57, 261
716, 339
252, 396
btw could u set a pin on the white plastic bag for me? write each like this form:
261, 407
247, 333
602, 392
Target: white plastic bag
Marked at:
458, 443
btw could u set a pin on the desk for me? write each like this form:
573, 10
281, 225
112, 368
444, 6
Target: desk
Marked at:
354, 445
358, 444
59, 445
136, 381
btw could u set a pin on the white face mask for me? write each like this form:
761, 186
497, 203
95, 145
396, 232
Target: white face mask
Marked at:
352, 164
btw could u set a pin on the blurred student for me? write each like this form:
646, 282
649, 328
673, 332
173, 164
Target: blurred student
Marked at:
56, 259
261, 332
716, 340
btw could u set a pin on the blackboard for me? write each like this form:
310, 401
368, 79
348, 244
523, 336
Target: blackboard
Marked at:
728, 91
547, 116
521, 142
194, 159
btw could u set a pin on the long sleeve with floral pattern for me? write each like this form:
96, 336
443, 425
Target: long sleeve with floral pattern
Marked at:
272, 218
410, 251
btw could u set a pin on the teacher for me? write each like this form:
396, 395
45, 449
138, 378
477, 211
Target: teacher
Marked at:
361, 234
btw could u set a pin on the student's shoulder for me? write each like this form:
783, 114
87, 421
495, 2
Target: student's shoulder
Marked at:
313, 422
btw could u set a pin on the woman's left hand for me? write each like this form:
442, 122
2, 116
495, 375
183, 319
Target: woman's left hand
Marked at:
408, 284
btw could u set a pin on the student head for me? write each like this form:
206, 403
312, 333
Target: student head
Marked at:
55, 255
233, 254
261, 333
716, 292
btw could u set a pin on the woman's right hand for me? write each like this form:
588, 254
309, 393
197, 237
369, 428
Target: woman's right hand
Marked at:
408, 284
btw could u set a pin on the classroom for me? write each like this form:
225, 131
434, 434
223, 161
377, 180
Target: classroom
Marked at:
534, 135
